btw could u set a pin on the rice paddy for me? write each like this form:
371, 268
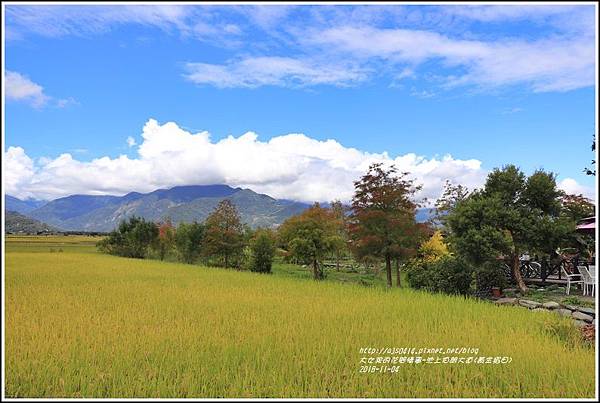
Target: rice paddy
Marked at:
82, 324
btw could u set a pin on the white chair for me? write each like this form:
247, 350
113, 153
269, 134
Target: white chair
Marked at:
588, 279
571, 278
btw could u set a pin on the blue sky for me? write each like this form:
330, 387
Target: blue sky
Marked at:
445, 92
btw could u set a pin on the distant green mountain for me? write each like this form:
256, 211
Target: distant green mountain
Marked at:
182, 203
16, 223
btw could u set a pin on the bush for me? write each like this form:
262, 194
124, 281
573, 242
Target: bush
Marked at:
262, 247
449, 275
491, 274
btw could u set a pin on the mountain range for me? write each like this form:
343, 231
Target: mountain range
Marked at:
21, 206
180, 204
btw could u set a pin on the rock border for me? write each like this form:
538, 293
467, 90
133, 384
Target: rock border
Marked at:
581, 315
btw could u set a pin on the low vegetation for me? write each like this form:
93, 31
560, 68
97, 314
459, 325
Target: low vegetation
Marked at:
85, 324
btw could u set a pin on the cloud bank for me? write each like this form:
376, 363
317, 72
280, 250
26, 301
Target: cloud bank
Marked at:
292, 166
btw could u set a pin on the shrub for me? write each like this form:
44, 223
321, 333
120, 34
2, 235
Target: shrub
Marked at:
262, 247
132, 238
449, 275
490, 274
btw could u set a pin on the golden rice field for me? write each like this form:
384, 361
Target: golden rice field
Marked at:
83, 324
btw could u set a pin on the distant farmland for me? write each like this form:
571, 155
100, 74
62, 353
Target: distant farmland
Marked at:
83, 324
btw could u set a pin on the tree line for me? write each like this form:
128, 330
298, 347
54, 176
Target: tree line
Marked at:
470, 234
221, 240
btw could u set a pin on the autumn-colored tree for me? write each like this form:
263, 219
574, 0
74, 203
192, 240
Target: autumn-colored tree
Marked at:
433, 248
382, 222
310, 236
224, 233
166, 238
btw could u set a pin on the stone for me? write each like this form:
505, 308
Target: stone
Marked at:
529, 304
589, 311
538, 310
571, 307
582, 316
563, 312
506, 301
513, 290
580, 323
551, 305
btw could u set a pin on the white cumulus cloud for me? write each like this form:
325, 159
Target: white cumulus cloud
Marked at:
292, 166
571, 186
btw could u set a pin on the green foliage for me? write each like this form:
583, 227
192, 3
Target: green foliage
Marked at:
573, 300
132, 238
188, 241
310, 236
262, 247
512, 214
490, 274
224, 235
449, 275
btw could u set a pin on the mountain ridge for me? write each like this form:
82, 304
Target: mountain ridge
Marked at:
103, 213
180, 204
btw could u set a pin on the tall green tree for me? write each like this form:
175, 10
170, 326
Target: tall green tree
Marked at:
382, 222
132, 238
262, 247
310, 236
511, 215
224, 236
188, 241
